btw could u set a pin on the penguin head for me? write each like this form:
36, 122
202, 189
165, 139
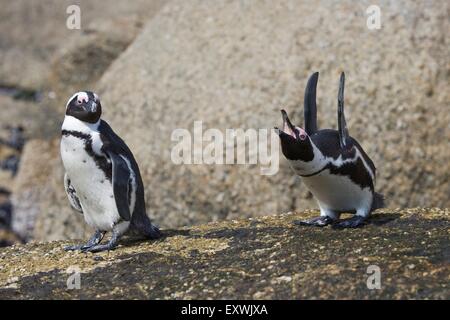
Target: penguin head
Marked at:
295, 142
85, 106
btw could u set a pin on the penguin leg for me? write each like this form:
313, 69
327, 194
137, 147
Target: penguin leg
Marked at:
118, 230
111, 245
326, 217
94, 240
356, 221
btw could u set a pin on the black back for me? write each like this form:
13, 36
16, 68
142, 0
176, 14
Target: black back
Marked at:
328, 142
114, 146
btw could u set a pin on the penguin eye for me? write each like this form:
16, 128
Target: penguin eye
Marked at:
300, 134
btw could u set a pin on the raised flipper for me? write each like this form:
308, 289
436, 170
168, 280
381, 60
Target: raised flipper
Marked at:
72, 194
310, 108
342, 125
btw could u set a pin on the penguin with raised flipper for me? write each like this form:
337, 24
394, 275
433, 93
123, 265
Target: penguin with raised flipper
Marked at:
332, 165
102, 179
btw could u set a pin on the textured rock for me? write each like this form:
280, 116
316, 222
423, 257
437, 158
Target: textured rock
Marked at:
83, 60
234, 64
260, 258
33, 32
37, 119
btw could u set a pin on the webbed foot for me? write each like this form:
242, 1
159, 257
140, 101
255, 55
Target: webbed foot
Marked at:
321, 221
354, 222
111, 245
94, 240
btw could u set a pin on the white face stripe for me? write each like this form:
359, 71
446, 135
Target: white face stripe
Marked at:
319, 161
70, 99
82, 94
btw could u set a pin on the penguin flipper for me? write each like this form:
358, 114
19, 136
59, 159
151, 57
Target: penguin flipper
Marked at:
120, 180
72, 194
342, 125
310, 107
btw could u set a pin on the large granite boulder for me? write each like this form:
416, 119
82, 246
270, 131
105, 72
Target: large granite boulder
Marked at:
234, 64
34, 33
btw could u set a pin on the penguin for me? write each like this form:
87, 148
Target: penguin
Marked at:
331, 163
102, 179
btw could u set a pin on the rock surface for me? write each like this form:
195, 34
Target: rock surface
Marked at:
234, 64
37, 119
259, 258
33, 33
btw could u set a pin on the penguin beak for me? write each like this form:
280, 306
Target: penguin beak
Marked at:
288, 127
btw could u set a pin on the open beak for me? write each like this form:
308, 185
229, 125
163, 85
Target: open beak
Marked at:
288, 127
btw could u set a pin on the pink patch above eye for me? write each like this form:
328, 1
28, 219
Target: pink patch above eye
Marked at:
82, 97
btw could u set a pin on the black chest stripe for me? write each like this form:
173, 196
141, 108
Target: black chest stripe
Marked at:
355, 171
101, 162
314, 173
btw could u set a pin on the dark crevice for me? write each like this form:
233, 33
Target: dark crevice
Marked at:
18, 93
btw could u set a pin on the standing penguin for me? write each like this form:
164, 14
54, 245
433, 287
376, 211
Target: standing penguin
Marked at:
102, 178
333, 165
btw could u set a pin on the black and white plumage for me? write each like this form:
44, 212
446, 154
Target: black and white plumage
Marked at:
332, 164
102, 178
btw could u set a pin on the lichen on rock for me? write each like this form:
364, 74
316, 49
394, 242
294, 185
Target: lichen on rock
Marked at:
259, 258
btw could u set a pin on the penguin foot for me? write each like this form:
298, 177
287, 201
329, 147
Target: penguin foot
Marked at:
321, 221
74, 247
94, 240
111, 245
354, 222
100, 248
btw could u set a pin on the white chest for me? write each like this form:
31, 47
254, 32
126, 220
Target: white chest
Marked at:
93, 188
337, 192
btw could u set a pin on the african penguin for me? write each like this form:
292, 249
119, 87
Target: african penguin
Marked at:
102, 179
332, 165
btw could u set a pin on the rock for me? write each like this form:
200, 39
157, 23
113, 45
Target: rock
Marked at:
25, 56
37, 119
5, 209
82, 61
226, 265
233, 65
8, 238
